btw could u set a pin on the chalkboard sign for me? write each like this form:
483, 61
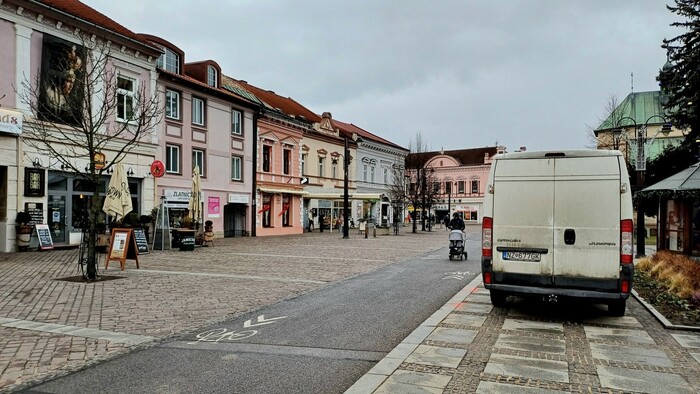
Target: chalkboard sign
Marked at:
44, 235
141, 241
35, 211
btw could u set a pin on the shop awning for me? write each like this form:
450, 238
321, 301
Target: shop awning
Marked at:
282, 191
339, 196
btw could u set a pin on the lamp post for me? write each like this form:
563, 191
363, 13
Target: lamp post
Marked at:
640, 166
346, 196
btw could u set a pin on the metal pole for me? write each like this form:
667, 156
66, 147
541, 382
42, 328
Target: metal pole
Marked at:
641, 232
346, 197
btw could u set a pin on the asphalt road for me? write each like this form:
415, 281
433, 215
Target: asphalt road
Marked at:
321, 342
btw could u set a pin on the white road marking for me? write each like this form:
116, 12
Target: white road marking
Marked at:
261, 321
231, 276
129, 339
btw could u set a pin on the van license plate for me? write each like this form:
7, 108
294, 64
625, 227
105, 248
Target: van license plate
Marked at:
521, 256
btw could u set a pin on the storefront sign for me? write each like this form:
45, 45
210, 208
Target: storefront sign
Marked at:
10, 122
235, 198
99, 159
177, 195
214, 205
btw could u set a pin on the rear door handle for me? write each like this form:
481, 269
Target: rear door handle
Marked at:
569, 236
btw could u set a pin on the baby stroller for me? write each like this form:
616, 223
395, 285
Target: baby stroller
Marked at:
457, 244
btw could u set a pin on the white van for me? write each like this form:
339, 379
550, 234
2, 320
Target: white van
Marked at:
559, 224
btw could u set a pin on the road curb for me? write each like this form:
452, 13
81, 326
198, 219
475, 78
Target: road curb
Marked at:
661, 318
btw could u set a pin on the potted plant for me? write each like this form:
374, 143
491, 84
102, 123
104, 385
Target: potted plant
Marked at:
145, 221
23, 229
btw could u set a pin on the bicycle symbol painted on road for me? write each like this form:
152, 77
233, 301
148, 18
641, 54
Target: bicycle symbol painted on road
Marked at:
457, 275
222, 334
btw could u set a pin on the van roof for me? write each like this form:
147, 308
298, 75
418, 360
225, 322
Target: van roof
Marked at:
558, 153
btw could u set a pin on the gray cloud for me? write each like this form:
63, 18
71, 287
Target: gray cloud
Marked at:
463, 73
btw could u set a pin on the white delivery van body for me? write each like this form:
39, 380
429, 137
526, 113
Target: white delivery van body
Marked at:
559, 224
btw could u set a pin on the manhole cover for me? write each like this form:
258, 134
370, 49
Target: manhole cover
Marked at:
80, 279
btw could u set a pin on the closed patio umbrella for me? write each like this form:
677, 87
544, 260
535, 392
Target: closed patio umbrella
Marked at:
118, 198
195, 204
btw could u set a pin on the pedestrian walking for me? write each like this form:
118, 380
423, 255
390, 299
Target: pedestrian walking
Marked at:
321, 218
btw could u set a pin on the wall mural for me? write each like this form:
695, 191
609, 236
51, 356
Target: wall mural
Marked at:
62, 73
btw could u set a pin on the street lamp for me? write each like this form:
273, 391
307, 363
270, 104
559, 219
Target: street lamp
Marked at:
641, 166
449, 199
346, 196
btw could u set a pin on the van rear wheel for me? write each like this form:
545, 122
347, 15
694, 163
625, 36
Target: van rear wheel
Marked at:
617, 308
498, 298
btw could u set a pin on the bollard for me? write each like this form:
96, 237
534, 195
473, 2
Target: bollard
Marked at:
366, 231
374, 231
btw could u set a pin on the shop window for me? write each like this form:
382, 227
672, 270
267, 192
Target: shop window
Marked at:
286, 209
474, 216
266, 210
675, 225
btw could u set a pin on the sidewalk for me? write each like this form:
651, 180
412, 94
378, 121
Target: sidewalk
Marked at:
50, 326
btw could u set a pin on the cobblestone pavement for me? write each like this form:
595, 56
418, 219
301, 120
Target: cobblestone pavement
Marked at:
531, 347
49, 327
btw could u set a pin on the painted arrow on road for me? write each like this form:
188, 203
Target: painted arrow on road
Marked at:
261, 321
456, 275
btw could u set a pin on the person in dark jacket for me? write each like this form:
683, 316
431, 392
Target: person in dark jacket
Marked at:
457, 223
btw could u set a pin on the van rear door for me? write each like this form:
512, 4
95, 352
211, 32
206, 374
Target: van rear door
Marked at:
586, 219
523, 210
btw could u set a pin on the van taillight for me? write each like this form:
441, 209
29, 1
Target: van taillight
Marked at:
487, 278
486, 233
626, 228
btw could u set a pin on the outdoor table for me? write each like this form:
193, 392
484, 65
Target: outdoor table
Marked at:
183, 238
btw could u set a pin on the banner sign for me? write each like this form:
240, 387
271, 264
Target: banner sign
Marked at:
214, 205
10, 122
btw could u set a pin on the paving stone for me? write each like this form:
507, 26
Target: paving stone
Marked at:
453, 335
631, 354
471, 307
479, 298
464, 320
529, 368
642, 381
420, 379
696, 356
534, 326
688, 340
622, 321
531, 344
391, 387
436, 356
618, 334
504, 388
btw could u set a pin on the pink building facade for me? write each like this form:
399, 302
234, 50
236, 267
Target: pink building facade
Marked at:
279, 189
211, 128
459, 179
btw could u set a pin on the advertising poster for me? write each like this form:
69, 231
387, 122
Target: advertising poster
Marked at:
119, 245
214, 204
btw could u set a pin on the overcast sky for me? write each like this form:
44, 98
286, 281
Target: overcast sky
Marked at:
463, 73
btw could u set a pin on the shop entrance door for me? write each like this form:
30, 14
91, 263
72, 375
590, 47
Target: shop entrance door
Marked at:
57, 218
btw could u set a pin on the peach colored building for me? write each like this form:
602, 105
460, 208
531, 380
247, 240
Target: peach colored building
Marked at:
279, 190
213, 128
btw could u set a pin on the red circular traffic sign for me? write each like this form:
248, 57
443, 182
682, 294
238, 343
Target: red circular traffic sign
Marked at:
157, 169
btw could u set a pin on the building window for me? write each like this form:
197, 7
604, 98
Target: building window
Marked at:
126, 90
172, 104
169, 61
287, 165
303, 163
172, 159
236, 168
334, 169
475, 187
371, 171
286, 209
266, 210
197, 111
321, 162
436, 187
460, 187
448, 187
364, 172
266, 158
198, 160
236, 122
386, 176
211, 76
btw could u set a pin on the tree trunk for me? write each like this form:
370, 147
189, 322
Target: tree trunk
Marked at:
91, 259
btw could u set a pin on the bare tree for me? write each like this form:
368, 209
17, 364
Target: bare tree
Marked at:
86, 110
612, 117
417, 178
